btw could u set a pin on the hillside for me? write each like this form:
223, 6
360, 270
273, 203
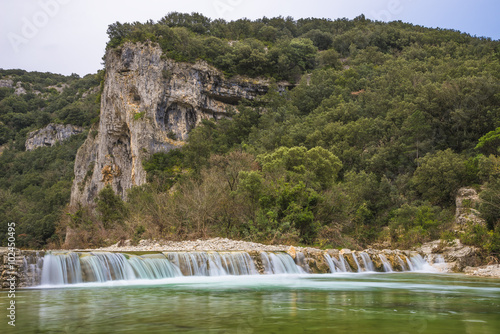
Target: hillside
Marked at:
35, 186
380, 126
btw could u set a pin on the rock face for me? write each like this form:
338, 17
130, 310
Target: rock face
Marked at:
451, 256
466, 201
484, 271
19, 267
50, 135
7, 83
149, 104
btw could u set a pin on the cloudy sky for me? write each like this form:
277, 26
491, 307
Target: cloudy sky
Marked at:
69, 36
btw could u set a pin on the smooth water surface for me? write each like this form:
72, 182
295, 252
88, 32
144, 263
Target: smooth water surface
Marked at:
328, 303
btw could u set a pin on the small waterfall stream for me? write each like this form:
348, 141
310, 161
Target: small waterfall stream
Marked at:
367, 261
357, 262
386, 263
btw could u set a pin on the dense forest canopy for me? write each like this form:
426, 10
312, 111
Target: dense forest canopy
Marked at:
385, 123
35, 186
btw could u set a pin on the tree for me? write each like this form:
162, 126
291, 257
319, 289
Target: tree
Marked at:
111, 207
490, 143
316, 166
490, 203
439, 176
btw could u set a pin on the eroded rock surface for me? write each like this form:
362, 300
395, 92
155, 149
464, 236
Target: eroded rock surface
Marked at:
150, 104
50, 135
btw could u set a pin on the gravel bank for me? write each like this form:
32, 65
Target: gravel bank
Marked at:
215, 244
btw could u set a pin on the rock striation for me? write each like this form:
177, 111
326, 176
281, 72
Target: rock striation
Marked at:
149, 104
50, 135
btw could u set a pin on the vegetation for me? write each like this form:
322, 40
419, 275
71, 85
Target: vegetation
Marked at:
35, 186
37, 99
370, 146
386, 122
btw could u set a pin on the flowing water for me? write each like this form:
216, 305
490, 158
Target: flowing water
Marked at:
299, 303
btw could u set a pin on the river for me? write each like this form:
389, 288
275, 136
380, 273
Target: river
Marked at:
409, 302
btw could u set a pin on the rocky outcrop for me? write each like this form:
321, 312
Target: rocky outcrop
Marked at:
8, 83
451, 256
149, 104
50, 135
19, 267
492, 270
467, 201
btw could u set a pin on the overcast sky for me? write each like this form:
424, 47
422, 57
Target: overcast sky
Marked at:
69, 36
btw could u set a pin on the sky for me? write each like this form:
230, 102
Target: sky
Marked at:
69, 36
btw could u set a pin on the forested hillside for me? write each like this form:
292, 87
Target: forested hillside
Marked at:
35, 186
386, 122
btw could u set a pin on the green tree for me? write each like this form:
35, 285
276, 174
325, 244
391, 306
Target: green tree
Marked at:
439, 176
111, 208
317, 166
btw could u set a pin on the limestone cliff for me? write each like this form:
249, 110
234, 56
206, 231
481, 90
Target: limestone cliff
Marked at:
50, 135
149, 104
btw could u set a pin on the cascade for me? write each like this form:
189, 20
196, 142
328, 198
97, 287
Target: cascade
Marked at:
102, 267
153, 266
418, 262
367, 261
357, 262
213, 263
344, 266
331, 263
386, 263
61, 268
401, 262
300, 260
410, 265
279, 263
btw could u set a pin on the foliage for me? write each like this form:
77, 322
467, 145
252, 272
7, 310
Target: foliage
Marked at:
110, 207
439, 176
384, 123
46, 98
34, 189
490, 203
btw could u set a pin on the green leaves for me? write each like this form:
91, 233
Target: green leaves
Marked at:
439, 176
317, 166
490, 143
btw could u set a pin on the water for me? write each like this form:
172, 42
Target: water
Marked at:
324, 303
386, 263
368, 262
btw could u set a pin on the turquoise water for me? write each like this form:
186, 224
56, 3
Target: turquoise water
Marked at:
338, 303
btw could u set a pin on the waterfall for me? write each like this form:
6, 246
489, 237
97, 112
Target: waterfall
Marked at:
385, 262
300, 260
331, 263
418, 262
153, 266
213, 263
401, 262
344, 266
238, 263
279, 263
357, 262
410, 265
102, 267
367, 261
61, 268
